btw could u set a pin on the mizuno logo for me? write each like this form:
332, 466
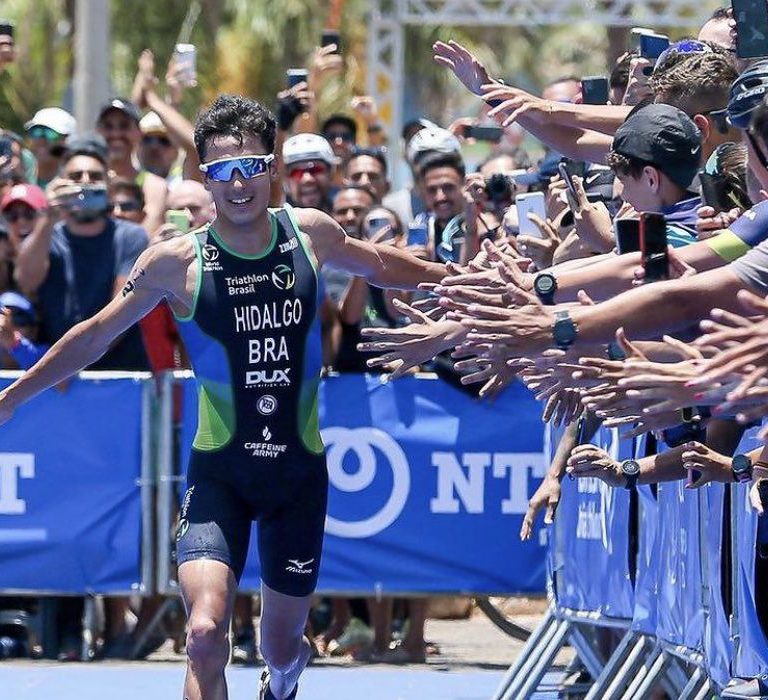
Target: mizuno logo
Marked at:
298, 567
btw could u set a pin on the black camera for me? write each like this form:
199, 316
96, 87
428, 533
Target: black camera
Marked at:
500, 188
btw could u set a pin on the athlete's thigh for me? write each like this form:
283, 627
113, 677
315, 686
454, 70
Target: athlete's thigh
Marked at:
215, 518
208, 588
291, 534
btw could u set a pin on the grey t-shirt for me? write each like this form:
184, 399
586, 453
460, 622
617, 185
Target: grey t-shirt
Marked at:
81, 281
752, 268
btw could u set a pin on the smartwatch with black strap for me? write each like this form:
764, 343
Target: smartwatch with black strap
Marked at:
564, 331
545, 286
630, 468
741, 466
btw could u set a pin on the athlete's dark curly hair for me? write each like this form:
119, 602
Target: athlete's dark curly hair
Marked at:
234, 115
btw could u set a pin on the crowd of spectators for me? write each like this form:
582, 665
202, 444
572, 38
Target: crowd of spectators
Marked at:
540, 286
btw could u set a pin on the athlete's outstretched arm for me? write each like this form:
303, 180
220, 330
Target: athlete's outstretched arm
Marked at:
382, 265
86, 342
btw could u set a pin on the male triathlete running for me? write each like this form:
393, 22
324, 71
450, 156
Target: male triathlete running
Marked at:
245, 289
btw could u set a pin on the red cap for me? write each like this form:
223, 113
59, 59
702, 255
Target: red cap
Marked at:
31, 195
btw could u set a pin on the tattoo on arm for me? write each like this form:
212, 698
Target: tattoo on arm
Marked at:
130, 285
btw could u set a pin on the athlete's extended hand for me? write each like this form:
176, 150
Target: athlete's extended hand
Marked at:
410, 345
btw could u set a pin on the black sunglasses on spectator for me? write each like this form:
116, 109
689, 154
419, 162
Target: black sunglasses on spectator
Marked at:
163, 141
127, 206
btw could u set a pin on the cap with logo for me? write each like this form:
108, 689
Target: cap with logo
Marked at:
662, 136
746, 94
303, 147
31, 195
56, 118
432, 140
121, 105
151, 124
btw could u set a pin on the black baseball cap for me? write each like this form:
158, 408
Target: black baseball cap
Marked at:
121, 105
662, 136
89, 144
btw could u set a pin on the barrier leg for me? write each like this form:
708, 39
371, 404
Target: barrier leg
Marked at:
641, 673
532, 680
88, 637
625, 674
676, 677
693, 685
706, 692
611, 668
651, 678
521, 666
585, 650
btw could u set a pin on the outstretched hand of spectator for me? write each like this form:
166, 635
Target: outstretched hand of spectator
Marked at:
591, 461
748, 351
710, 223
407, 347
546, 496
325, 62
469, 70
514, 103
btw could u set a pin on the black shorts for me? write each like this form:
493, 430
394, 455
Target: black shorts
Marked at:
225, 494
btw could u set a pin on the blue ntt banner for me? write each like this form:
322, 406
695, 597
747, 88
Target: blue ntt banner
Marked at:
428, 487
70, 508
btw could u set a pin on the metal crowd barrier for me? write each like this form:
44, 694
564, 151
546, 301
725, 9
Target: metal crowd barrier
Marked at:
678, 635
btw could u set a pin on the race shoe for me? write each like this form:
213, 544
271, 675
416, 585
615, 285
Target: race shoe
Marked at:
265, 692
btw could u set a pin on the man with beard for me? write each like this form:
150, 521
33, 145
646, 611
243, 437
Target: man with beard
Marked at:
118, 123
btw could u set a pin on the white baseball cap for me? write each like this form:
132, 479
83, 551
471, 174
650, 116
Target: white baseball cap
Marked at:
433, 139
56, 118
308, 147
152, 124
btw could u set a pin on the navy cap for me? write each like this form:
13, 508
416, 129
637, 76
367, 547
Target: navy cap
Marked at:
121, 105
14, 300
546, 169
665, 137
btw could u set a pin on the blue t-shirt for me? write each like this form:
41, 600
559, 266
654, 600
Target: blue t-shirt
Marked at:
81, 281
681, 222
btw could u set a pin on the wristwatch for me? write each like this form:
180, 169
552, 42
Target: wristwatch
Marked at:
545, 286
564, 331
630, 468
741, 466
615, 352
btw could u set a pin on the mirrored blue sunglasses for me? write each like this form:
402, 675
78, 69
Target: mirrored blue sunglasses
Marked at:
223, 169
685, 46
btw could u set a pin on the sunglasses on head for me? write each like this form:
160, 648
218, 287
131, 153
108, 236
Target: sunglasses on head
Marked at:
687, 46
45, 133
314, 169
156, 141
223, 169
